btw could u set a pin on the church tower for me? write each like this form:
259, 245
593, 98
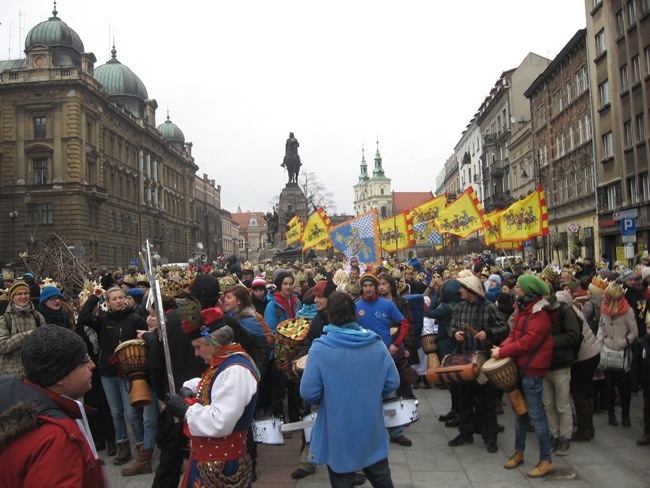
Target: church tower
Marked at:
373, 192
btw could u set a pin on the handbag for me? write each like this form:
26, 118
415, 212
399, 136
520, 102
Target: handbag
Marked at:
619, 361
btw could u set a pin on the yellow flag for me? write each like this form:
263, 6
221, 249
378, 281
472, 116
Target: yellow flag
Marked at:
462, 217
423, 219
324, 245
316, 230
525, 219
294, 230
491, 233
396, 233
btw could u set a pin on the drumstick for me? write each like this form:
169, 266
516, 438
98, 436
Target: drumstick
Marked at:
472, 331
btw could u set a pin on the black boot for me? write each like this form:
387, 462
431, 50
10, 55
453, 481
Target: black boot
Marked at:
111, 448
416, 385
427, 385
612, 418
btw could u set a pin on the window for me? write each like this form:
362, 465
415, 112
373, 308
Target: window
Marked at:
620, 23
40, 171
631, 12
587, 127
612, 198
562, 147
636, 69
568, 93
42, 213
645, 6
647, 59
585, 80
578, 80
588, 178
557, 103
581, 132
640, 128
600, 43
608, 145
541, 116
645, 189
603, 92
572, 142
632, 190
625, 81
40, 131
629, 139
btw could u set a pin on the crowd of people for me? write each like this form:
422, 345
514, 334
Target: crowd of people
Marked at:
286, 341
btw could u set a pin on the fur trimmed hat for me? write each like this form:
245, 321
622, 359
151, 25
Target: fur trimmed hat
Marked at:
50, 353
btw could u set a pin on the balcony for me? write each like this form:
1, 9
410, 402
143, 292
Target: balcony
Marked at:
497, 168
489, 139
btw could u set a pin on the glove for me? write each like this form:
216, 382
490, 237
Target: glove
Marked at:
186, 392
176, 405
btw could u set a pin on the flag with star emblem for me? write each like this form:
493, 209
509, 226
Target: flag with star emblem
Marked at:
358, 237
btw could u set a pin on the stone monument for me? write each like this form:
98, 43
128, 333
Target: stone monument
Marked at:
292, 200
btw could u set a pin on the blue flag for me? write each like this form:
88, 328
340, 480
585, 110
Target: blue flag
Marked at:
359, 237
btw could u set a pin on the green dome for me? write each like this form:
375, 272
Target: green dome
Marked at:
122, 84
171, 133
64, 42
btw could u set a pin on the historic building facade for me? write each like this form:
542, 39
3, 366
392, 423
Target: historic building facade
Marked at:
81, 156
618, 47
562, 150
373, 191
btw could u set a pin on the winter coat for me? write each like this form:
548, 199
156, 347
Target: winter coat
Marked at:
112, 329
342, 441
520, 345
589, 347
12, 339
591, 311
566, 334
619, 331
640, 370
276, 312
43, 444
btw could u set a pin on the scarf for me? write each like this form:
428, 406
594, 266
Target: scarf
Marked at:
371, 299
307, 311
526, 300
622, 305
351, 328
288, 305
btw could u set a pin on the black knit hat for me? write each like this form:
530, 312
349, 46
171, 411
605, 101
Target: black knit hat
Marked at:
205, 288
50, 353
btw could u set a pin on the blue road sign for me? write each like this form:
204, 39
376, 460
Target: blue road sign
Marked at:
134, 261
628, 227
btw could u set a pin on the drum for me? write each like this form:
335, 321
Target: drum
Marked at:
429, 343
504, 375
286, 367
300, 363
268, 431
458, 368
433, 361
289, 338
400, 411
407, 375
133, 359
307, 430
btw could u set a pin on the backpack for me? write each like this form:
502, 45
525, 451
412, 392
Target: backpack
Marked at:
8, 319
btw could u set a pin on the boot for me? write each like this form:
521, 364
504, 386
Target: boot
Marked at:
612, 418
142, 465
584, 414
416, 385
427, 385
626, 399
542, 469
111, 448
123, 452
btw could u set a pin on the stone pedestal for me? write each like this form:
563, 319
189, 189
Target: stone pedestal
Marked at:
292, 200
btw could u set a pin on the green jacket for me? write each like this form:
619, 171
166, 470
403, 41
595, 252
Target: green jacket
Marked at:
12, 337
566, 330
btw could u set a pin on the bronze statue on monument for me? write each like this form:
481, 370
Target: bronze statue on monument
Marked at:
291, 160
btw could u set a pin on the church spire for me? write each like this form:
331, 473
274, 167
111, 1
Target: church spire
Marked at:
378, 172
363, 177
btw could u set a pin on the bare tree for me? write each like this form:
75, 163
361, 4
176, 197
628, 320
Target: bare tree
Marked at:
315, 192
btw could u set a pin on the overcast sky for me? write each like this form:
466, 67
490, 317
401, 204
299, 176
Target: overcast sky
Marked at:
238, 76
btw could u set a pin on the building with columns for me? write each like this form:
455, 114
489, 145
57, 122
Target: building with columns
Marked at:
81, 156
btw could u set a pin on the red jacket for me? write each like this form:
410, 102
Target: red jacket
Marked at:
538, 331
44, 446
